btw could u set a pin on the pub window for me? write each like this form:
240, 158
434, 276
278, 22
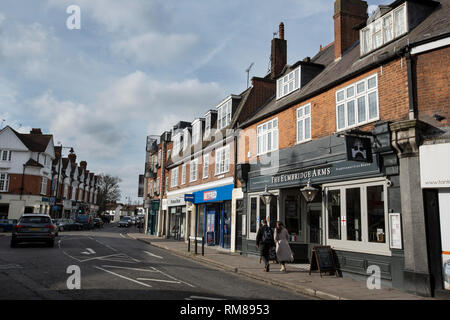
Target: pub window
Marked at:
262, 210
304, 123
253, 206
268, 136
357, 217
293, 220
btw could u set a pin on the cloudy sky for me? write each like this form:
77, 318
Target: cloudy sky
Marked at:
136, 67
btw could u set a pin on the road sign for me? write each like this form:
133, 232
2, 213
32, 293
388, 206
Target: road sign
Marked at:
189, 197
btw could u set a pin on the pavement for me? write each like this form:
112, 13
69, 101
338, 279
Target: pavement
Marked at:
297, 277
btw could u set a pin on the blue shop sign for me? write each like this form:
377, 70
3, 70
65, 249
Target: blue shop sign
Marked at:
189, 197
214, 195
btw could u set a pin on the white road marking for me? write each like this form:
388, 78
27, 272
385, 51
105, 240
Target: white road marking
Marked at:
10, 266
122, 236
158, 280
153, 255
123, 277
136, 269
169, 276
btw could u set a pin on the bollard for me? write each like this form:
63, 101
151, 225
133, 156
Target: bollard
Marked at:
189, 244
203, 246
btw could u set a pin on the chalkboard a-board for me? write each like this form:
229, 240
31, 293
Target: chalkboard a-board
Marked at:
322, 260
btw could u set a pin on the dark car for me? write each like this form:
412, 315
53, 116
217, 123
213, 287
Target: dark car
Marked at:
98, 223
86, 221
34, 228
68, 225
7, 225
125, 222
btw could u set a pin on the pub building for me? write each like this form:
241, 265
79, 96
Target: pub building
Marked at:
332, 153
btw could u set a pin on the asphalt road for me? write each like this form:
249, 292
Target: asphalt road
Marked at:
113, 266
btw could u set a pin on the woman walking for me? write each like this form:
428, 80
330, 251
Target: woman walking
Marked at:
284, 253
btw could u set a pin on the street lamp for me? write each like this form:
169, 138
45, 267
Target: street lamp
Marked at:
309, 192
267, 196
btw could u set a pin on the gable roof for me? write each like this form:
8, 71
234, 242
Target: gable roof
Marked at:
433, 27
34, 142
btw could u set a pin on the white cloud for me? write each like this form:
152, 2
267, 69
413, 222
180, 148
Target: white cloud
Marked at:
154, 48
26, 47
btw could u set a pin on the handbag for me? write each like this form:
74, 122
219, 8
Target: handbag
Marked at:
272, 254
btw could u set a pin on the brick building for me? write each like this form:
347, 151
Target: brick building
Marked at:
35, 178
353, 117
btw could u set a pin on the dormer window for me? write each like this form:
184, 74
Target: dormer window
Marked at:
176, 144
224, 115
288, 83
384, 29
196, 132
208, 124
185, 139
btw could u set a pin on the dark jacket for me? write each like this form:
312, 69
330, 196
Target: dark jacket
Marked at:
259, 237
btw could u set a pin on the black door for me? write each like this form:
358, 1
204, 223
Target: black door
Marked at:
431, 203
239, 204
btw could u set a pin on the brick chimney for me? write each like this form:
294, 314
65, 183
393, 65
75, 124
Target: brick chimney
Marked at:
278, 55
83, 164
347, 15
72, 157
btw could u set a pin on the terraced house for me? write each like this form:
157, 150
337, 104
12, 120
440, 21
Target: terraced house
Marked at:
36, 178
334, 154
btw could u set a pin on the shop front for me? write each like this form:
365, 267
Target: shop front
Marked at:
350, 209
213, 208
177, 218
435, 182
153, 217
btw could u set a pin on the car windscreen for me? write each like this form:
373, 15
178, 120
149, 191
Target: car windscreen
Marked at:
35, 220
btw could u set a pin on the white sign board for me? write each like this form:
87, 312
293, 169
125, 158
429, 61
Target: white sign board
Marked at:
435, 165
395, 225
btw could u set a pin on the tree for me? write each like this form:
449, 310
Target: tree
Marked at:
109, 190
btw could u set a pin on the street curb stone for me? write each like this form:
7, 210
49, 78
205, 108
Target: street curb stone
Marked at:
299, 289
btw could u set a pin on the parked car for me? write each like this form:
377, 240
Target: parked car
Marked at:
68, 224
34, 228
7, 225
98, 223
86, 220
133, 220
125, 222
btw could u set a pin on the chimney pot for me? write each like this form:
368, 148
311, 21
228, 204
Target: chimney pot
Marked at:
281, 31
36, 131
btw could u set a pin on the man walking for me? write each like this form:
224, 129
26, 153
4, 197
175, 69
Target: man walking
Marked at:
264, 241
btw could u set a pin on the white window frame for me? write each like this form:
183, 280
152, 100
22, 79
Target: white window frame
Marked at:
289, 83
370, 30
303, 114
193, 170
224, 114
196, 132
44, 182
158, 181
363, 246
4, 179
355, 98
208, 120
222, 160
263, 135
250, 234
177, 143
183, 173
205, 166
5, 155
174, 177
186, 137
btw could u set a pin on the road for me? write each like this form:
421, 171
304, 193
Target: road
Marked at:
113, 266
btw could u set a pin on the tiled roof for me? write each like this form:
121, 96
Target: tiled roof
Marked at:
34, 142
436, 25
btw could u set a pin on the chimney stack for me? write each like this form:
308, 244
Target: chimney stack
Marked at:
83, 164
347, 15
278, 56
36, 131
72, 157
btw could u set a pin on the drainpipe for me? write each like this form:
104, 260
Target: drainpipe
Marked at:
411, 88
